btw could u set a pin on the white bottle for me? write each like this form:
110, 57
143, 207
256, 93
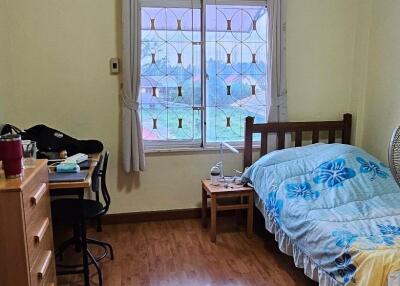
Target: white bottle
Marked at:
215, 173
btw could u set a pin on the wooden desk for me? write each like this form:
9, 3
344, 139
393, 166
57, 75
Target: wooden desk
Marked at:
77, 188
56, 188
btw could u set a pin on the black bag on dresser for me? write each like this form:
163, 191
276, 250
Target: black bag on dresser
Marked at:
49, 140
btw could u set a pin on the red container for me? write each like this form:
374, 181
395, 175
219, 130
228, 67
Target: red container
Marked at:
11, 155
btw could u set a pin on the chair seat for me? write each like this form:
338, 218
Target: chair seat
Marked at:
68, 210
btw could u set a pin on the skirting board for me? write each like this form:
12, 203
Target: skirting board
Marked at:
151, 216
157, 215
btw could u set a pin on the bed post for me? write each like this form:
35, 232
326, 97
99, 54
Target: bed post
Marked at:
346, 133
248, 142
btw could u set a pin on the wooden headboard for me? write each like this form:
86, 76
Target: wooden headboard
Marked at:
281, 128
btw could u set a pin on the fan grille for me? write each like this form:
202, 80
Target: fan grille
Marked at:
394, 155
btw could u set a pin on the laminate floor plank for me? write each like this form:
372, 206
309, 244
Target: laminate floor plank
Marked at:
179, 252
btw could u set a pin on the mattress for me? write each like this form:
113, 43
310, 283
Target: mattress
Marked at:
335, 209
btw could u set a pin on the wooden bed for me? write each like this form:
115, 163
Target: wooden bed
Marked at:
282, 128
331, 131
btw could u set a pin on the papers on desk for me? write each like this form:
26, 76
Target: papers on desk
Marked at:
67, 177
85, 164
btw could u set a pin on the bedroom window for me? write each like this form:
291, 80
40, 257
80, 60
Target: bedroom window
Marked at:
203, 70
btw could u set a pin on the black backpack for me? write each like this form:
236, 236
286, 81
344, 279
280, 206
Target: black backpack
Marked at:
49, 140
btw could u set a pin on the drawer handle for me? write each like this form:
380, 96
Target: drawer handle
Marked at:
39, 194
39, 236
45, 266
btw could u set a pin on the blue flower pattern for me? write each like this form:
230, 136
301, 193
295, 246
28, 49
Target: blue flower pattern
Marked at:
274, 207
377, 239
333, 173
389, 229
344, 238
371, 167
345, 267
302, 190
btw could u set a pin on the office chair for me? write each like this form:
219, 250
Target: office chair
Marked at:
76, 212
95, 189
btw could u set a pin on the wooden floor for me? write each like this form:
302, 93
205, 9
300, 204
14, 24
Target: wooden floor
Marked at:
179, 252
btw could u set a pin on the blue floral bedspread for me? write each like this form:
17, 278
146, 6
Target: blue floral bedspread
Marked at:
340, 206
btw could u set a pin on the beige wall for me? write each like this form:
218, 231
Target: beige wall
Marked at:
360, 69
382, 102
61, 48
5, 67
320, 54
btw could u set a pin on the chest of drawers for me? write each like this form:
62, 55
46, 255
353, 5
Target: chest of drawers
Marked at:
26, 235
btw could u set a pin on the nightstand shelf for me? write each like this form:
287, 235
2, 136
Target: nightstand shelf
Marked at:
232, 191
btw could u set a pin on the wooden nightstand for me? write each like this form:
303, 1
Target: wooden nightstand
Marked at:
217, 192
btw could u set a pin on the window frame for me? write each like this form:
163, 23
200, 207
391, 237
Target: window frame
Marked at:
176, 145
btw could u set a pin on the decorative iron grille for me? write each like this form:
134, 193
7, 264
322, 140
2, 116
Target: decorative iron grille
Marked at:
229, 50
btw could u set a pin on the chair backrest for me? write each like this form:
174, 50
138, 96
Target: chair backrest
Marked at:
104, 190
96, 175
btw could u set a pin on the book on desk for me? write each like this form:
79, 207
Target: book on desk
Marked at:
67, 177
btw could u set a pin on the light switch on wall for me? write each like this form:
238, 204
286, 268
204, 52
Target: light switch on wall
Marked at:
114, 65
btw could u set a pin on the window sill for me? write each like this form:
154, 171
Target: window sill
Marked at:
192, 149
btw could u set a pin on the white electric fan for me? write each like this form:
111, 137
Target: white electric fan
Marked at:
394, 155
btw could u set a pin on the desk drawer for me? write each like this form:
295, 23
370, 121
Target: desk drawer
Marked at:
39, 229
44, 264
33, 192
50, 279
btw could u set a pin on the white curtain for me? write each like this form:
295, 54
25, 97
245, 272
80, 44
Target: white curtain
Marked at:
277, 61
132, 139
